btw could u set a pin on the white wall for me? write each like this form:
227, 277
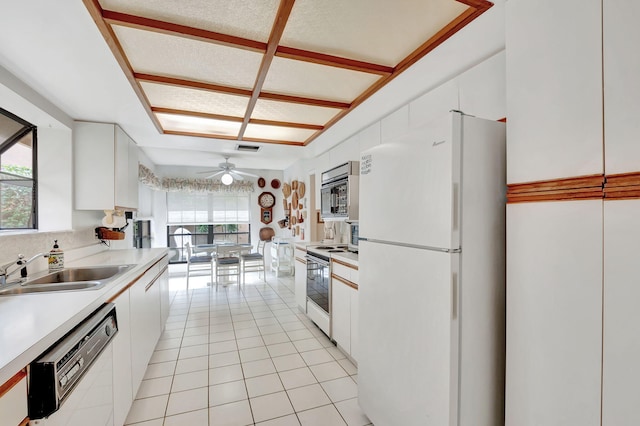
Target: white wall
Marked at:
56, 217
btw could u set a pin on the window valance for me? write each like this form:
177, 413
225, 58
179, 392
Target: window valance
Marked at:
147, 177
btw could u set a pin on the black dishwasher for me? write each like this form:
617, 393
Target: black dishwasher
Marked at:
54, 375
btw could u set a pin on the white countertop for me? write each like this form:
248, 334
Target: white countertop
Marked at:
30, 323
347, 256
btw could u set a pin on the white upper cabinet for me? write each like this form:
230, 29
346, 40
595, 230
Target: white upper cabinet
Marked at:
106, 167
554, 89
621, 85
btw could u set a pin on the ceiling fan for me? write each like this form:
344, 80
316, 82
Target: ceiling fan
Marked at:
228, 172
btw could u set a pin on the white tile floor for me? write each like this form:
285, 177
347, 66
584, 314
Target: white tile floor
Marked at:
244, 358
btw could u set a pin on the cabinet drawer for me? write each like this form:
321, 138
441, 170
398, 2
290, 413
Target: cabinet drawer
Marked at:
13, 400
345, 271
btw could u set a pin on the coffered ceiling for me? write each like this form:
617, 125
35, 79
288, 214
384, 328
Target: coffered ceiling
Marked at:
268, 71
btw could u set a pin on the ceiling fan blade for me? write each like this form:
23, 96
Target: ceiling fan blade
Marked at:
209, 171
245, 173
235, 175
215, 174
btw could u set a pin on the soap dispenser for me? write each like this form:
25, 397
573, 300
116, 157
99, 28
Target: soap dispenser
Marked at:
56, 257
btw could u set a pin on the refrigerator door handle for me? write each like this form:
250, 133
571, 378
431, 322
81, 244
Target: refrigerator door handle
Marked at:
455, 207
454, 295
415, 246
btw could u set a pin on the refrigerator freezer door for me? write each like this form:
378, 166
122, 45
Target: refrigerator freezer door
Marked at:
409, 188
407, 336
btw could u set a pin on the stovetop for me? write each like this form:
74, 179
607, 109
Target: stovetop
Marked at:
327, 249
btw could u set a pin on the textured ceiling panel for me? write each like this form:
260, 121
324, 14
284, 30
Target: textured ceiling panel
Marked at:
183, 123
259, 131
306, 79
296, 113
212, 58
164, 96
378, 31
161, 54
250, 19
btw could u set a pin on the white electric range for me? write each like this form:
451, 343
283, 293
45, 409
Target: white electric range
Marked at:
319, 284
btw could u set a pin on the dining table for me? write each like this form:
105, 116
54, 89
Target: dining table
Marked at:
212, 248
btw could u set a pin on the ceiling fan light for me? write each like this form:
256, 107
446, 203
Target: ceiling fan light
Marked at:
227, 179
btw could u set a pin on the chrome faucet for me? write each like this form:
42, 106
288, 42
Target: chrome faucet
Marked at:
21, 265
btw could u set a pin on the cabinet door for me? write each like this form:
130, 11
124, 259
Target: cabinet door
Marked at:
165, 301
121, 195
354, 323
145, 324
122, 387
621, 85
126, 171
94, 156
132, 175
554, 313
301, 281
554, 89
621, 371
341, 314
13, 400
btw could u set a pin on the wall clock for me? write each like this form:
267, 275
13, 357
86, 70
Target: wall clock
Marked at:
266, 200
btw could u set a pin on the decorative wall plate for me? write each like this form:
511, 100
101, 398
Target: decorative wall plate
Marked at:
275, 183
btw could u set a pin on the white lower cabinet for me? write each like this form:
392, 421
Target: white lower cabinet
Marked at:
145, 323
554, 313
344, 307
341, 314
301, 280
621, 373
13, 400
354, 324
165, 301
122, 386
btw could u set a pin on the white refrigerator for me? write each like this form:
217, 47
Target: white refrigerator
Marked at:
432, 276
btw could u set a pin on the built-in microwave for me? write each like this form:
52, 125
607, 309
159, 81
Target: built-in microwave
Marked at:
339, 192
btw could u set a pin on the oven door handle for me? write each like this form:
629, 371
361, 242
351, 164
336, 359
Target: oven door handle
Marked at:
316, 260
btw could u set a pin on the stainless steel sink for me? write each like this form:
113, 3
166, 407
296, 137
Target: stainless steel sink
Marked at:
85, 278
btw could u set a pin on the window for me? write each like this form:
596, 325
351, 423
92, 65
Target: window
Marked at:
18, 173
203, 218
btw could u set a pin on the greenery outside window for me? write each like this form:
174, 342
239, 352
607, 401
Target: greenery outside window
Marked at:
18, 173
206, 218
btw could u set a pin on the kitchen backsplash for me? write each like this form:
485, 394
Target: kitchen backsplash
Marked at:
76, 244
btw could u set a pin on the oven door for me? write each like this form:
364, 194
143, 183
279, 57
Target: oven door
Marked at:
318, 282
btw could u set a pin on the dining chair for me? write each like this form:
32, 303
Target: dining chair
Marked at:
254, 262
197, 262
182, 236
227, 261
